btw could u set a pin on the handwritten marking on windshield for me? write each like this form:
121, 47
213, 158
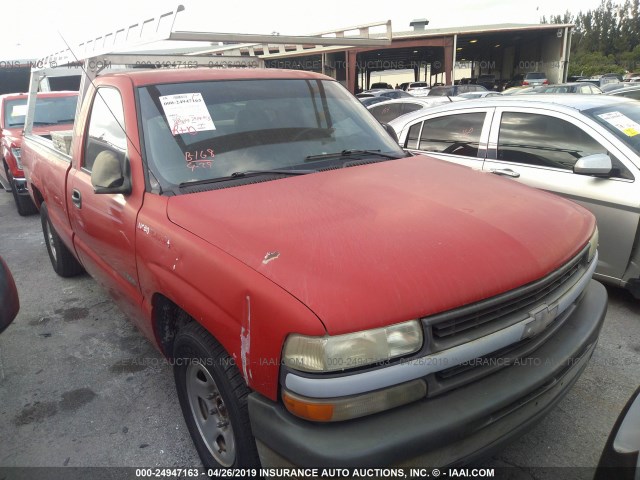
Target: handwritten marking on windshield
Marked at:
199, 159
180, 129
199, 155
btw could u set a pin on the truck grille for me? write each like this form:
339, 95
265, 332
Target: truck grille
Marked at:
460, 326
466, 324
457, 326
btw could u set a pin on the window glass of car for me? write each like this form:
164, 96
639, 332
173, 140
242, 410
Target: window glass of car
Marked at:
15, 111
106, 127
440, 91
635, 94
391, 111
547, 141
410, 107
622, 120
49, 111
252, 125
386, 113
457, 134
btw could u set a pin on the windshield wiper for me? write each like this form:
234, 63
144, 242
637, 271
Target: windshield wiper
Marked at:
247, 173
54, 122
281, 171
351, 153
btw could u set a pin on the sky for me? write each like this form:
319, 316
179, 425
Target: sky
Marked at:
38, 33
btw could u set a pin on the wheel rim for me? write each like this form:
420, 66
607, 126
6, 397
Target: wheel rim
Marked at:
52, 246
210, 414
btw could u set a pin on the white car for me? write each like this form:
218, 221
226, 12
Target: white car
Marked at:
392, 109
418, 89
584, 147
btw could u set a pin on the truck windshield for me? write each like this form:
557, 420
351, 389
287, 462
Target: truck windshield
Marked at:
210, 130
49, 111
623, 120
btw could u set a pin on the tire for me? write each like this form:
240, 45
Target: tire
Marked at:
24, 204
62, 260
213, 398
6, 174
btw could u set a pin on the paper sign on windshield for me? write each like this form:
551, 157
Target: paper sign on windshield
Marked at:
186, 113
622, 123
19, 111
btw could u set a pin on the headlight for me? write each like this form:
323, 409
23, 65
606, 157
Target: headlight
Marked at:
342, 352
16, 154
593, 244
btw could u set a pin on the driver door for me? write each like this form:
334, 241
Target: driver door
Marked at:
105, 224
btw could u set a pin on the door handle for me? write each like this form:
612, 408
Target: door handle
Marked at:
505, 172
76, 198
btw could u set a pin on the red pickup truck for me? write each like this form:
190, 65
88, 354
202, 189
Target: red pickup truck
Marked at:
54, 111
325, 298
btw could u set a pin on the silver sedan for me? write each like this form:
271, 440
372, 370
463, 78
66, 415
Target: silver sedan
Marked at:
584, 147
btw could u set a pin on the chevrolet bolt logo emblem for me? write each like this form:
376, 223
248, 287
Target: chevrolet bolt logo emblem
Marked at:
539, 320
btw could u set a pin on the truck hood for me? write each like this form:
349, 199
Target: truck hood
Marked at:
382, 243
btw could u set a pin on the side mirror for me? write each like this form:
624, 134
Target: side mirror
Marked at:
392, 133
598, 165
9, 302
107, 175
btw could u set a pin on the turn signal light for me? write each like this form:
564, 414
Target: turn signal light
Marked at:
346, 408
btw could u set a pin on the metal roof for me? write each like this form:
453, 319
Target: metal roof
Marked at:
293, 50
471, 29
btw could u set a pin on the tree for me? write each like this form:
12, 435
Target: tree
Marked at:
605, 39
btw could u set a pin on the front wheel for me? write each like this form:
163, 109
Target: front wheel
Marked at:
213, 398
